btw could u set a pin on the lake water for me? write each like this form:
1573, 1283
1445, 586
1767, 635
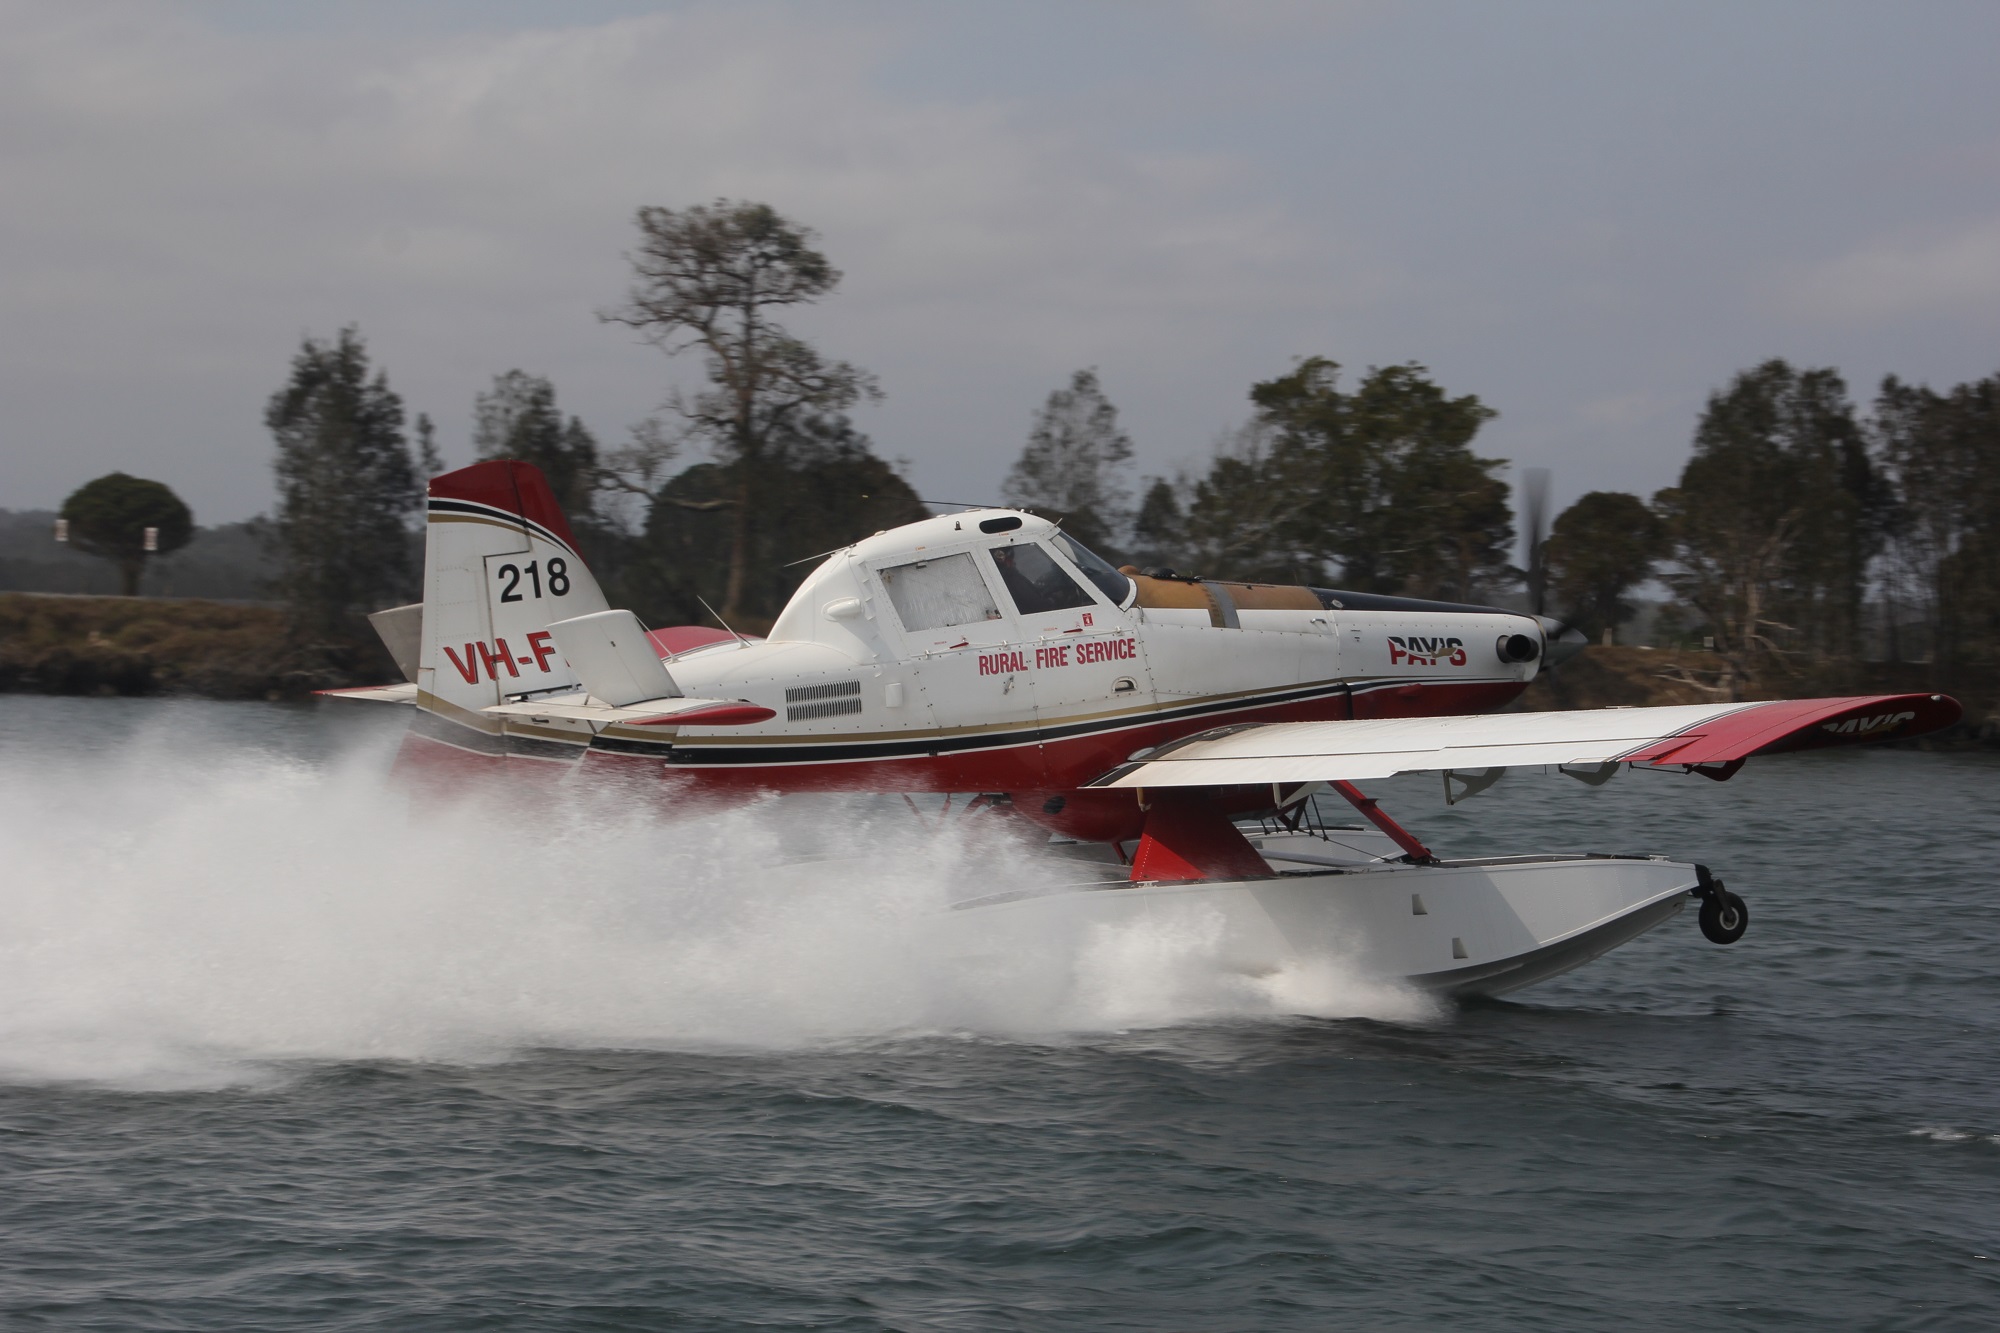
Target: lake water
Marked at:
277, 1054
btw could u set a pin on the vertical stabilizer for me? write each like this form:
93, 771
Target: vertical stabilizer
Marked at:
500, 564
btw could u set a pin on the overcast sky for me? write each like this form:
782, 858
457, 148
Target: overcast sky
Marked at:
1589, 214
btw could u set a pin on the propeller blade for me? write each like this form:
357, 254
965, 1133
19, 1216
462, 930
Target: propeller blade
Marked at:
1534, 518
1563, 641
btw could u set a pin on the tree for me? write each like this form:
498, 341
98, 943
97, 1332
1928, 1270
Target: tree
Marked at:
1775, 520
517, 418
1383, 482
1071, 465
345, 486
1159, 530
430, 462
1940, 454
1380, 483
710, 278
1598, 549
829, 491
1244, 518
109, 517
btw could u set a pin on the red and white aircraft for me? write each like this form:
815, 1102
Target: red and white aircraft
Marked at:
987, 652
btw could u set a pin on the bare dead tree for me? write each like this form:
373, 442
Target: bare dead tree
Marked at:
710, 279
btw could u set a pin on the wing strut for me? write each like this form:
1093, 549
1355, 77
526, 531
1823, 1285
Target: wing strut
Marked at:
1372, 812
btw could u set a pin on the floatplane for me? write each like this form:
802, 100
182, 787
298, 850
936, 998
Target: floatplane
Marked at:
1174, 739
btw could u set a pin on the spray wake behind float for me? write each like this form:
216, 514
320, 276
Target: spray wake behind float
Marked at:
257, 909
1176, 728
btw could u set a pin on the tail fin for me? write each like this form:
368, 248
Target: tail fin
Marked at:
500, 565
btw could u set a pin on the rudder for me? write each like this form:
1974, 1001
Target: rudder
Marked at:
500, 564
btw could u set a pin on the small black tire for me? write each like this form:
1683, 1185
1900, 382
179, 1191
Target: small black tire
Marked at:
1723, 917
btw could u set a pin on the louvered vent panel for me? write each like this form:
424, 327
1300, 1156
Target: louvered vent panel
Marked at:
826, 708
805, 694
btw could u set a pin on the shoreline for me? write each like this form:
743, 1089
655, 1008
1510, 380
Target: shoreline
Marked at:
85, 644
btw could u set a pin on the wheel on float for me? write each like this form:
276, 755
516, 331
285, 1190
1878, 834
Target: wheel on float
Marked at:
1723, 916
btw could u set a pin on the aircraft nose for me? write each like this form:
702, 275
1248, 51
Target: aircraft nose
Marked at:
1564, 641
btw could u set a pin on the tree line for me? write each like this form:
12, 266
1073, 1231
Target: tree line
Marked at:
1801, 528
780, 472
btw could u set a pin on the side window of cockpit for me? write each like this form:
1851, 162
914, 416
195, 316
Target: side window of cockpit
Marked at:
1035, 581
934, 594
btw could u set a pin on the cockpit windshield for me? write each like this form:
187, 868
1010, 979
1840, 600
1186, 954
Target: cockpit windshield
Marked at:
1096, 568
1035, 581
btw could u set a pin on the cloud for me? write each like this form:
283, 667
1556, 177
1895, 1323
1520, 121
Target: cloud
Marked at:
1183, 195
1280, 20
1619, 411
184, 202
1940, 274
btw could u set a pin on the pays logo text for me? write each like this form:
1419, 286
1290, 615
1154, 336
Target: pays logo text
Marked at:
1414, 651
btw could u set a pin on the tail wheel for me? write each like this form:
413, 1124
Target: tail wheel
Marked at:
1723, 916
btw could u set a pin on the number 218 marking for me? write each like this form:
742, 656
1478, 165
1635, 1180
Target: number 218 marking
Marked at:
558, 579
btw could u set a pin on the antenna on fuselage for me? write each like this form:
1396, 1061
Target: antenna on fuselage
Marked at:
802, 559
719, 620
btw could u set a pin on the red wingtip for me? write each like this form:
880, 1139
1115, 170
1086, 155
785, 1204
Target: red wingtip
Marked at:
1804, 724
509, 484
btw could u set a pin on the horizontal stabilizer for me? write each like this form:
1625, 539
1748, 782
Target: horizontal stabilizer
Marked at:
377, 694
665, 712
1705, 736
402, 631
611, 655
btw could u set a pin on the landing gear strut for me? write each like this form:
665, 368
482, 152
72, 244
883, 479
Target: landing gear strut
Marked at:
1723, 916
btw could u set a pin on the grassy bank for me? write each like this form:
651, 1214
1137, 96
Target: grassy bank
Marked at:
142, 645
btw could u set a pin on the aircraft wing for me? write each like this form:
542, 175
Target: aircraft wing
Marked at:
1714, 738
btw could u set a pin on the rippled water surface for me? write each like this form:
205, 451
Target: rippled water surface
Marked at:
276, 1053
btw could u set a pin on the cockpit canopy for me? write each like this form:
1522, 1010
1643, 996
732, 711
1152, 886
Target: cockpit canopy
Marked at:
942, 573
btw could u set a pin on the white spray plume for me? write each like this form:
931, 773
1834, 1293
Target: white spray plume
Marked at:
188, 913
